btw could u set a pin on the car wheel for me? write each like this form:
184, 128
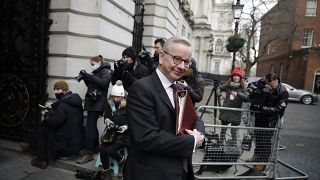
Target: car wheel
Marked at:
306, 99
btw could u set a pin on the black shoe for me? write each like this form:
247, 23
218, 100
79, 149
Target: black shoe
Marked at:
39, 164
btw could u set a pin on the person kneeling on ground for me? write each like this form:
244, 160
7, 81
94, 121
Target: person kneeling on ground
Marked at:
116, 134
60, 133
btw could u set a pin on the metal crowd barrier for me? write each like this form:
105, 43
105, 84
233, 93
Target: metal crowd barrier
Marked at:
232, 152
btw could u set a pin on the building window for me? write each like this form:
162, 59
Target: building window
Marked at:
216, 67
219, 46
268, 49
311, 8
307, 38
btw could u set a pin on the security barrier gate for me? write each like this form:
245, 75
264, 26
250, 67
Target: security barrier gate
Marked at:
233, 152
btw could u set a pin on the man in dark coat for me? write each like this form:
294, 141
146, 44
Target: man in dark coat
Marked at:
156, 152
95, 103
60, 133
269, 97
128, 69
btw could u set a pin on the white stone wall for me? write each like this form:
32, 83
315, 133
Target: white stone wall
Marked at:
82, 29
163, 19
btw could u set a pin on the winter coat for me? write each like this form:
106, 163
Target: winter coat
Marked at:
271, 106
195, 87
233, 117
118, 116
128, 76
65, 120
97, 83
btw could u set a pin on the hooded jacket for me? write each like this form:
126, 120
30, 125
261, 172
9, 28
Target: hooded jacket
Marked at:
98, 84
66, 121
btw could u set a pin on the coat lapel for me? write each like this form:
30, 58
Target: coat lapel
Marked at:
162, 92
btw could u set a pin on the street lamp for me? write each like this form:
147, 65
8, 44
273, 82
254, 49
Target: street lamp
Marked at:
237, 10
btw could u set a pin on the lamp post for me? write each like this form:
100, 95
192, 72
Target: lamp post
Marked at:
237, 10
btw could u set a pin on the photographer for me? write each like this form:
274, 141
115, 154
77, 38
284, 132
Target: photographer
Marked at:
128, 69
95, 102
116, 134
193, 82
60, 133
269, 97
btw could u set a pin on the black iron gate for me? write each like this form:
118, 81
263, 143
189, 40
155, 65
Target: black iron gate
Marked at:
24, 37
138, 25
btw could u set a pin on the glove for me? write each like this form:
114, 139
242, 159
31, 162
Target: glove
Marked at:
122, 128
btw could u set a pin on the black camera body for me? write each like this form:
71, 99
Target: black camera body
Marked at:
110, 132
81, 75
120, 63
94, 95
256, 94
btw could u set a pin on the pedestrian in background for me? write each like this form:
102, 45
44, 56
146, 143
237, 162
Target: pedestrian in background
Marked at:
233, 86
95, 103
60, 133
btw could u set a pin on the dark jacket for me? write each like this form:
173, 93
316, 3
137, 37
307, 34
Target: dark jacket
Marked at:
233, 117
156, 152
66, 121
98, 84
129, 74
195, 87
119, 118
271, 106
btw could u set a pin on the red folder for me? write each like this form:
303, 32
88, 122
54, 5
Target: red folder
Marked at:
185, 112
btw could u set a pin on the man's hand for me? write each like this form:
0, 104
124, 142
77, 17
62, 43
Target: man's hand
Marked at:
199, 137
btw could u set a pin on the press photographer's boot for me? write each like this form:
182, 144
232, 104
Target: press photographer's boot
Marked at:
39, 164
121, 166
106, 174
85, 158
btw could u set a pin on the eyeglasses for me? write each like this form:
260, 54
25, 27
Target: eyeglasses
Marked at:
177, 60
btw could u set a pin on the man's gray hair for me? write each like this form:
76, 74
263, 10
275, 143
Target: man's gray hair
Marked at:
178, 40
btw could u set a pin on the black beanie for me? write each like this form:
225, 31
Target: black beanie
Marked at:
129, 52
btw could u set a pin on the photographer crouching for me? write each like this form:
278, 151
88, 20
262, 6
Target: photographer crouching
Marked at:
95, 102
128, 69
269, 97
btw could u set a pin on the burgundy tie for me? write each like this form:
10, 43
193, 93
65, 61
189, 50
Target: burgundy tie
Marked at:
184, 160
174, 89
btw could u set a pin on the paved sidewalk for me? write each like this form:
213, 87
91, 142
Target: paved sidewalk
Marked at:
15, 165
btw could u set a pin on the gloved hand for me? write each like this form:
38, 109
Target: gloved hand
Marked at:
122, 128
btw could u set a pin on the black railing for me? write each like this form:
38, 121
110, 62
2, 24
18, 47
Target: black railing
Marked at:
138, 25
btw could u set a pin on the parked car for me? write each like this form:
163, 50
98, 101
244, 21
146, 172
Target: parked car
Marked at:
298, 95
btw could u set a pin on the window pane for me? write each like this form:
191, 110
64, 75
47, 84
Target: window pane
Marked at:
307, 38
311, 8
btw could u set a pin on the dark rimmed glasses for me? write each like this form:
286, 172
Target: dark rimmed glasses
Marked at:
177, 60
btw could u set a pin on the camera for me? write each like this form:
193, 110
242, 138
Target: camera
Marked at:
120, 63
110, 132
94, 95
256, 95
81, 75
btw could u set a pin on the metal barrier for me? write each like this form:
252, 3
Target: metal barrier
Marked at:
231, 152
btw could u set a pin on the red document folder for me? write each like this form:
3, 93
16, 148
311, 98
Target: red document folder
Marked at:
185, 112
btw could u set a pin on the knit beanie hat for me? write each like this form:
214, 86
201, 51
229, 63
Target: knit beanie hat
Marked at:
61, 85
129, 52
117, 89
236, 71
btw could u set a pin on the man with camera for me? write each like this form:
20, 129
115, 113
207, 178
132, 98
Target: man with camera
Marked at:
60, 133
95, 102
269, 97
128, 69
